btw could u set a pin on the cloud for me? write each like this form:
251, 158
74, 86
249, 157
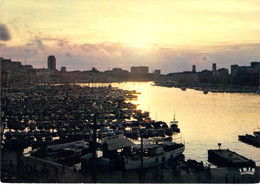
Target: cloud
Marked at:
205, 58
89, 48
4, 33
39, 43
43, 41
68, 54
105, 55
58, 41
62, 42
36, 41
27, 50
14, 24
30, 51
30, 44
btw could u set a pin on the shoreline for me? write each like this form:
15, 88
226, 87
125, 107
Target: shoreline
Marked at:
47, 174
214, 88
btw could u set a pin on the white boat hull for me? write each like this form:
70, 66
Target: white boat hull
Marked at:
131, 164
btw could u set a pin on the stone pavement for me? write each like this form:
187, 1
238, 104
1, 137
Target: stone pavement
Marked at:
33, 170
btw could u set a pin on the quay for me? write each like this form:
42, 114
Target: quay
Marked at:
227, 158
49, 174
209, 87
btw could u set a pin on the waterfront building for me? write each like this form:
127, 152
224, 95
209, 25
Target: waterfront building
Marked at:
141, 73
214, 69
194, 68
205, 76
222, 72
28, 67
221, 76
51, 63
186, 77
157, 75
139, 70
246, 75
117, 74
13, 72
234, 69
256, 66
117, 69
157, 72
63, 69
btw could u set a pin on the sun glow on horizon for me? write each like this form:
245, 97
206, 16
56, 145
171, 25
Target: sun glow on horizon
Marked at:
108, 33
136, 23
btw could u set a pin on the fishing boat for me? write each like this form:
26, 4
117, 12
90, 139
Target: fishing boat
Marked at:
174, 125
153, 132
133, 134
154, 154
251, 139
168, 131
102, 132
183, 88
86, 132
257, 133
72, 152
110, 132
51, 148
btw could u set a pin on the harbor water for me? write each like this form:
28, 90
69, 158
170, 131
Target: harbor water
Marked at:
204, 119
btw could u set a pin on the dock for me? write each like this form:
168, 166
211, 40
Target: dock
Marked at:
227, 158
55, 173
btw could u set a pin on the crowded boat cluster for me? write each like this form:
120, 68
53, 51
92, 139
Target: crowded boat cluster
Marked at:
65, 123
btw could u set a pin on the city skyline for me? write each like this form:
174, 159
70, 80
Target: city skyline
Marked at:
169, 35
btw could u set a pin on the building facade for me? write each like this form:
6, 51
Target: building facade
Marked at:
139, 70
51, 63
63, 69
246, 75
194, 68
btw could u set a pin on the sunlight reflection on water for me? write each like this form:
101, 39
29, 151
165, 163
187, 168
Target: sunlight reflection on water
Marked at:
204, 120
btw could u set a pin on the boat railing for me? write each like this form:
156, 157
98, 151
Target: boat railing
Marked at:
177, 139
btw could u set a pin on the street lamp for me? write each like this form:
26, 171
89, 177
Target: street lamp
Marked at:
219, 144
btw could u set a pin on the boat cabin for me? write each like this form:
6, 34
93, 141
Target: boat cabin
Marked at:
115, 146
149, 150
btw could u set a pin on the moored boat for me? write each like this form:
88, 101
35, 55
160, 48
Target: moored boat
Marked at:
174, 125
72, 152
251, 139
153, 154
53, 147
257, 133
183, 88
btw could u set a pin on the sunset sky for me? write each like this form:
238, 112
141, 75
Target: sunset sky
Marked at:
170, 35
